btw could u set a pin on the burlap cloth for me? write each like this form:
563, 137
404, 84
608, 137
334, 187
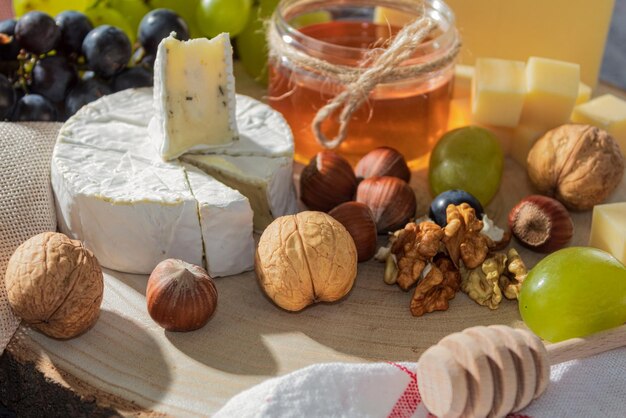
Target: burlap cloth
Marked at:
26, 201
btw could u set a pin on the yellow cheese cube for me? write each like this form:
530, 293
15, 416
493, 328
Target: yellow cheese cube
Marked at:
551, 92
608, 229
572, 31
498, 91
606, 112
524, 137
584, 93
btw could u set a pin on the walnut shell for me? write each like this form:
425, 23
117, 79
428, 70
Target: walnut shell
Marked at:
55, 285
305, 258
580, 165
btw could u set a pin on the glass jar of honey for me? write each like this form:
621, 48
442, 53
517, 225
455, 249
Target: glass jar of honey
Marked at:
408, 114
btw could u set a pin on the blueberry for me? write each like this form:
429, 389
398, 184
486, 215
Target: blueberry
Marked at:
439, 205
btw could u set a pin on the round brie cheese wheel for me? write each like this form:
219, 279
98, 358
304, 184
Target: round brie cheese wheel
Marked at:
132, 209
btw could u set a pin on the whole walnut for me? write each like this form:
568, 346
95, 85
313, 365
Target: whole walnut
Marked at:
55, 285
305, 258
580, 165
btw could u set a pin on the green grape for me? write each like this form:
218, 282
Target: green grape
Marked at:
267, 7
469, 159
217, 16
252, 47
574, 292
185, 9
132, 10
51, 7
105, 16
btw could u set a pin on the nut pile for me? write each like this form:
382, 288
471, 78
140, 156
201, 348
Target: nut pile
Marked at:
444, 260
379, 184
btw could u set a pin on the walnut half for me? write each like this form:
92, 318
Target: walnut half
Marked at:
435, 290
482, 283
463, 238
414, 247
514, 275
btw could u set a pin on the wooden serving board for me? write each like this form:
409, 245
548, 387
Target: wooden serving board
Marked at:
128, 362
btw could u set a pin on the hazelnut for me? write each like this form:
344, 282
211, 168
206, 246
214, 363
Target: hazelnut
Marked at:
180, 296
541, 223
55, 285
358, 220
580, 165
390, 199
327, 181
383, 161
305, 258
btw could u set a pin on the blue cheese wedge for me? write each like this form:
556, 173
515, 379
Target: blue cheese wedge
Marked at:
194, 96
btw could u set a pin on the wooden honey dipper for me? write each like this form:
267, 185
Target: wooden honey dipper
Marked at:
492, 371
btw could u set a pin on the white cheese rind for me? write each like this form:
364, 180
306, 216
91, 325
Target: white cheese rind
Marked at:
194, 96
226, 222
266, 182
133, 209
131, 214
263, 131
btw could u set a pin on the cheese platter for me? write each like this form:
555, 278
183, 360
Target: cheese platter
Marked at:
171, 195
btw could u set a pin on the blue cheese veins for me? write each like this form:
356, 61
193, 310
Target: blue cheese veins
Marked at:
194, 96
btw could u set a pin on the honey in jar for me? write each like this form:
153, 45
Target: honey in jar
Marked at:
409, 114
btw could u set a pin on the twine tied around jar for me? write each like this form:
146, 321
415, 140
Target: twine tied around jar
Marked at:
382, 65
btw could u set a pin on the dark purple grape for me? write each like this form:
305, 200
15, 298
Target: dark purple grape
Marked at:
158, 24
37, 32
107, 50
148, 61
34, 107
88, 75
7, 97
85, 92
437, 211
74, 27
10, 49
53, 77
132, 78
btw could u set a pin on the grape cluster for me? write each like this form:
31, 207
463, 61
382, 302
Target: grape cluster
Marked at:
51, 67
